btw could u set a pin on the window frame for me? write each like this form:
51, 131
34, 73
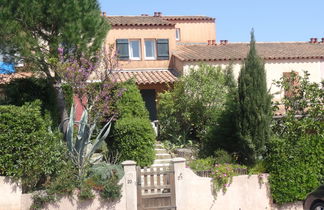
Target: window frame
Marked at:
154, 49
130, 49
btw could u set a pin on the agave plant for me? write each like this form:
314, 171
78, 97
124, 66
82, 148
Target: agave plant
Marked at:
81, 146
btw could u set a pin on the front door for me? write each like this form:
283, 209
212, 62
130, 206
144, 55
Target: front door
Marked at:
149, 97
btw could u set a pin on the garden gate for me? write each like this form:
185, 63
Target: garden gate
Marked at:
155, 188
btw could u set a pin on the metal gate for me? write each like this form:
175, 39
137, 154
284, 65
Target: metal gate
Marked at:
155, 188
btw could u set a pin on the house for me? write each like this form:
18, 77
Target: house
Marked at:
280, 58
145, 45
156, 49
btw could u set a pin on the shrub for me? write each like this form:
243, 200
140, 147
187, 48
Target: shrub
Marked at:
134, 140
132, 136
295, 155
29, 151
221, 156
205, 164
193, 106
131, 103
295, 168
20, 91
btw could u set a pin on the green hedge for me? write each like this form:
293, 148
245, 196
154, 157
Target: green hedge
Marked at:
296, 168
131, 103
20, 91
132, 136
134, 139
28, 150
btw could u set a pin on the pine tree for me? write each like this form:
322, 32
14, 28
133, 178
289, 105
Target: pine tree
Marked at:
254, 105
33, 31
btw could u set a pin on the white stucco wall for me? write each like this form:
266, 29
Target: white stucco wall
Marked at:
10, 194
274, 70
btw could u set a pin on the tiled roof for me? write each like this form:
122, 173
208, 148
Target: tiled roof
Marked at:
193, 17
238, 51
138, 21
6, 78
144, 77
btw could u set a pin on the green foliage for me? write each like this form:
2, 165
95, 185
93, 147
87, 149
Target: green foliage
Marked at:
29, 151
304, 108
68, 95
221, 157
20, 91
64, 183
26, 25
133, 139
204, 164
106, 171
132, 136
295, 168
295, 155
255, 112
131, 103
104, 178
193, 106
224, 134
80, 144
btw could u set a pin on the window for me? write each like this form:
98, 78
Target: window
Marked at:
150, 52
162, 46
178, 34
293, 80
122, 49
134, 50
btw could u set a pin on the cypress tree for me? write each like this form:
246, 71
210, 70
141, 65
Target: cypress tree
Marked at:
254, 106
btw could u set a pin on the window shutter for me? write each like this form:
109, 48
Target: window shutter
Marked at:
162, 46
122, 49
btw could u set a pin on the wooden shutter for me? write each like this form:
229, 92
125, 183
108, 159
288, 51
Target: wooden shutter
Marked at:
122, 49
162, 46
292, 79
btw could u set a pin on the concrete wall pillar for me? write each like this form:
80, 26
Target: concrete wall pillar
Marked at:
130, 184
179, 164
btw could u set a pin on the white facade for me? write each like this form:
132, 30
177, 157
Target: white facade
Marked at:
274, 70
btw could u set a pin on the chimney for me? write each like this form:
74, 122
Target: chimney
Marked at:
225, 42
315, 40
104, 14
209, 42
222, 42
213, 42
157, 14
322, 39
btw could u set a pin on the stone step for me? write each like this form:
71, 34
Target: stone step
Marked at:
163, 156
160, 151
160, 164
162, 160
159, 146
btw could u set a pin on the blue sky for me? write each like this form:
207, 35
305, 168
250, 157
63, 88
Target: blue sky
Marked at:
272, 20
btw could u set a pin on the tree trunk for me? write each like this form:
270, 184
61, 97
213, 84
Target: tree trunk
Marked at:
61, 107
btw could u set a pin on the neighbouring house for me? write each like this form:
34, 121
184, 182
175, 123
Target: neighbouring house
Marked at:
145, 44
280, 59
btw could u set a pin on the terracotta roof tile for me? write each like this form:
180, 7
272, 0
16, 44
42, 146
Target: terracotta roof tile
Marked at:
192, 17
144, 77
238, 51
138, 21
7, 78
